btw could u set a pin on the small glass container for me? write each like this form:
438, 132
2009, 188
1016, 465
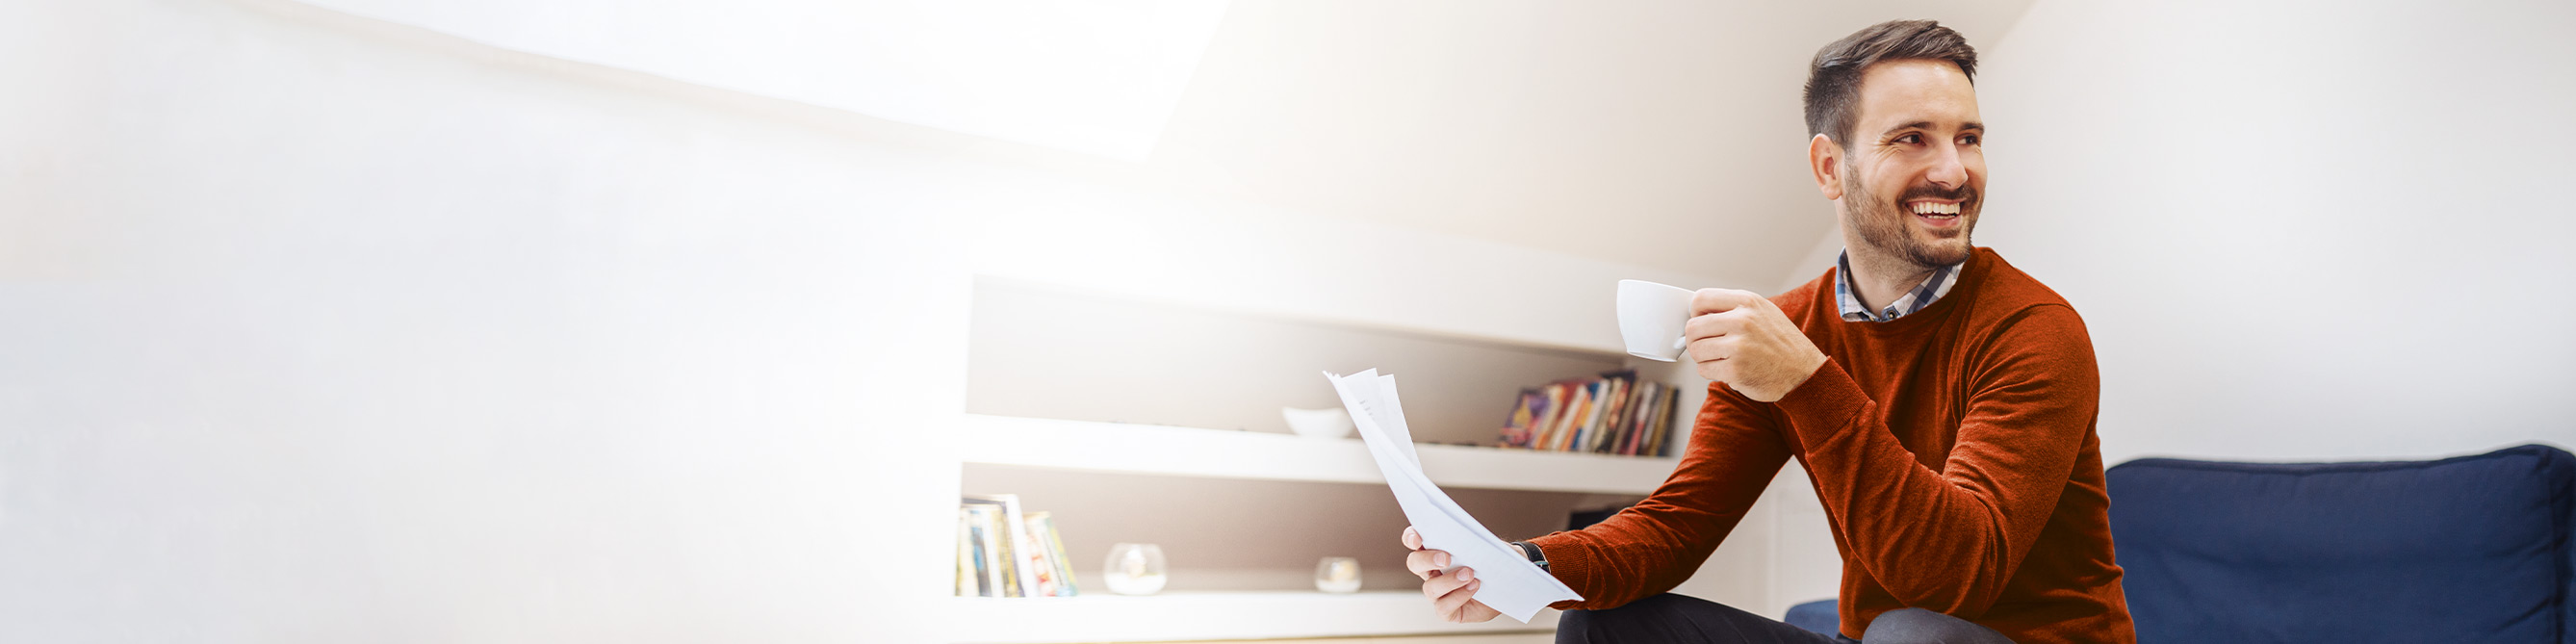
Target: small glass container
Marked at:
1134, 569
1338, 575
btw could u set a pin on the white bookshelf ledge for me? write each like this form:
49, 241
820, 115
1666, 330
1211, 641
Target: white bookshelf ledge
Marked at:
1184, 451
1209, 616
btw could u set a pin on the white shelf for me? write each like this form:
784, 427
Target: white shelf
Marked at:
1210, 616
1183, 451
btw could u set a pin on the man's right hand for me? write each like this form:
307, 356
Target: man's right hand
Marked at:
1453, 594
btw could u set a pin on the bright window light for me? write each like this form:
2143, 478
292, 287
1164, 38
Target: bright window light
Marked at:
1094, 76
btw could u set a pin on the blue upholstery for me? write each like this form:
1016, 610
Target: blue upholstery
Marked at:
2468, 549
1818, 616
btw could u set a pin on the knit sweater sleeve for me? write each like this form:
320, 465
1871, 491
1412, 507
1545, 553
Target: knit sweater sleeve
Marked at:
1735, 449
1948, 540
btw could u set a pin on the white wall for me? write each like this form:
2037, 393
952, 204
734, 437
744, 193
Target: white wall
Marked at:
2299, 230
317, 336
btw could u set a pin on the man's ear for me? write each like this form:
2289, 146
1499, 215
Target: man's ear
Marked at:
1825, 160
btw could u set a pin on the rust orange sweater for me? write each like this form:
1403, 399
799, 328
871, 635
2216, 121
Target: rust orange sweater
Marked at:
1954, 453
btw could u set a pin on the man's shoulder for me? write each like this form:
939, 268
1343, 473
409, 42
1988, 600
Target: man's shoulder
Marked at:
2004, 291
2012, 304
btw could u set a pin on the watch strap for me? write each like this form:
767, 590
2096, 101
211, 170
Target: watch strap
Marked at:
1531, 550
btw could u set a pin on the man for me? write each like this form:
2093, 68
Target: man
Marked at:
1941, 401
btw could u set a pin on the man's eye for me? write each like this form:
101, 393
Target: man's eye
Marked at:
1972, 139
1910, 139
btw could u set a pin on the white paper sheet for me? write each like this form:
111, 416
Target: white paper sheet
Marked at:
1512, 585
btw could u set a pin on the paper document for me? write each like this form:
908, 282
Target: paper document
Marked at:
1513, 585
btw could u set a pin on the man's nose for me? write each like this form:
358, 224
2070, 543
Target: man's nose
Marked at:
1947, 170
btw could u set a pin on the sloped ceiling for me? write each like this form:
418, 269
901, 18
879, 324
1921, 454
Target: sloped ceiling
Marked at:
1658, 133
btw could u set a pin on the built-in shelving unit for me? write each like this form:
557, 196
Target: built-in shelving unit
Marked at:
1184, 451
1146, 420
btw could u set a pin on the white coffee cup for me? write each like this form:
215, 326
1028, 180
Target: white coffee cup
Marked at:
1651, 316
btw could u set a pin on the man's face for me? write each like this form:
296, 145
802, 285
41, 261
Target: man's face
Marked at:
1914, 173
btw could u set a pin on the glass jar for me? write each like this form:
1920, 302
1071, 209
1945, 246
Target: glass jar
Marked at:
1134, 569
1338, 575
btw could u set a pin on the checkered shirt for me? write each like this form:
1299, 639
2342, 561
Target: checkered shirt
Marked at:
1922, 295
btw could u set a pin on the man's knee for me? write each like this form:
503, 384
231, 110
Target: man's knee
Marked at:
1918, 626
1619, 624
1670, 618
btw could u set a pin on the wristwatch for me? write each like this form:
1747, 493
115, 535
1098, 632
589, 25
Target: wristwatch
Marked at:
1531, 550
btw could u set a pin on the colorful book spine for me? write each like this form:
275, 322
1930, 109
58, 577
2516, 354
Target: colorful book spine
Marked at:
1617, 413
1003, 551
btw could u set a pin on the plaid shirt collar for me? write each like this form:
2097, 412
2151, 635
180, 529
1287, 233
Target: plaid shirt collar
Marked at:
1922, 295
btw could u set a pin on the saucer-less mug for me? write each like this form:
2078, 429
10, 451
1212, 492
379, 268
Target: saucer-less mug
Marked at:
1651, 316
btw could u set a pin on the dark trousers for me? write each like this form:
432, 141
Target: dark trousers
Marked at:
1677, 619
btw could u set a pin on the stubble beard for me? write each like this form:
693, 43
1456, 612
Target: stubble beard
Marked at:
1886, 227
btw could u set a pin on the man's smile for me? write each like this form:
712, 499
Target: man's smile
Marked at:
1935, 212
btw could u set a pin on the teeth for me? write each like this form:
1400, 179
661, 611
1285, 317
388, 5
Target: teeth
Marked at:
1930, 208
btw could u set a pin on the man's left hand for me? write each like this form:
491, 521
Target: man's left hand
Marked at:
1742, 339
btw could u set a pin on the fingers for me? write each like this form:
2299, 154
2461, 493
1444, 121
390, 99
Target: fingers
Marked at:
1426, 563
1453, 594
1720, 300
1439, 586
1715, 359
1719, 324
1706, 350
1412, 540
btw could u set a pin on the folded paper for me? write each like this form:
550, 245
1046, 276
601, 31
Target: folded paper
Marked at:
1512, 585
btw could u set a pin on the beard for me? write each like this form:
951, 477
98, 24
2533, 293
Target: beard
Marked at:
1888, 227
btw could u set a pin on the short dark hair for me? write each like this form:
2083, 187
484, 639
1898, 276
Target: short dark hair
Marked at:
1833, 81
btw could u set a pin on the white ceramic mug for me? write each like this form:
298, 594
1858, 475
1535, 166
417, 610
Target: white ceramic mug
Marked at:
1651, 316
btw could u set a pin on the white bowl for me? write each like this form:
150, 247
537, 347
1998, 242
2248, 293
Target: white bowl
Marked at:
1318, 423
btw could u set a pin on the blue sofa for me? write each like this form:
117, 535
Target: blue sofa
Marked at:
2469, 549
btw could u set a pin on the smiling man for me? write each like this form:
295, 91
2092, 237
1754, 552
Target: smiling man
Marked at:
1941, 401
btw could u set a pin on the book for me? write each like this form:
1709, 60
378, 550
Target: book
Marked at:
969, 582
1632, 421
988, 557
1011, 538
1633, 430
1620, 386
1520, 429
1558, 398
1039, 560
1663, 422
1584, 433
1579, 412
1044, 525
